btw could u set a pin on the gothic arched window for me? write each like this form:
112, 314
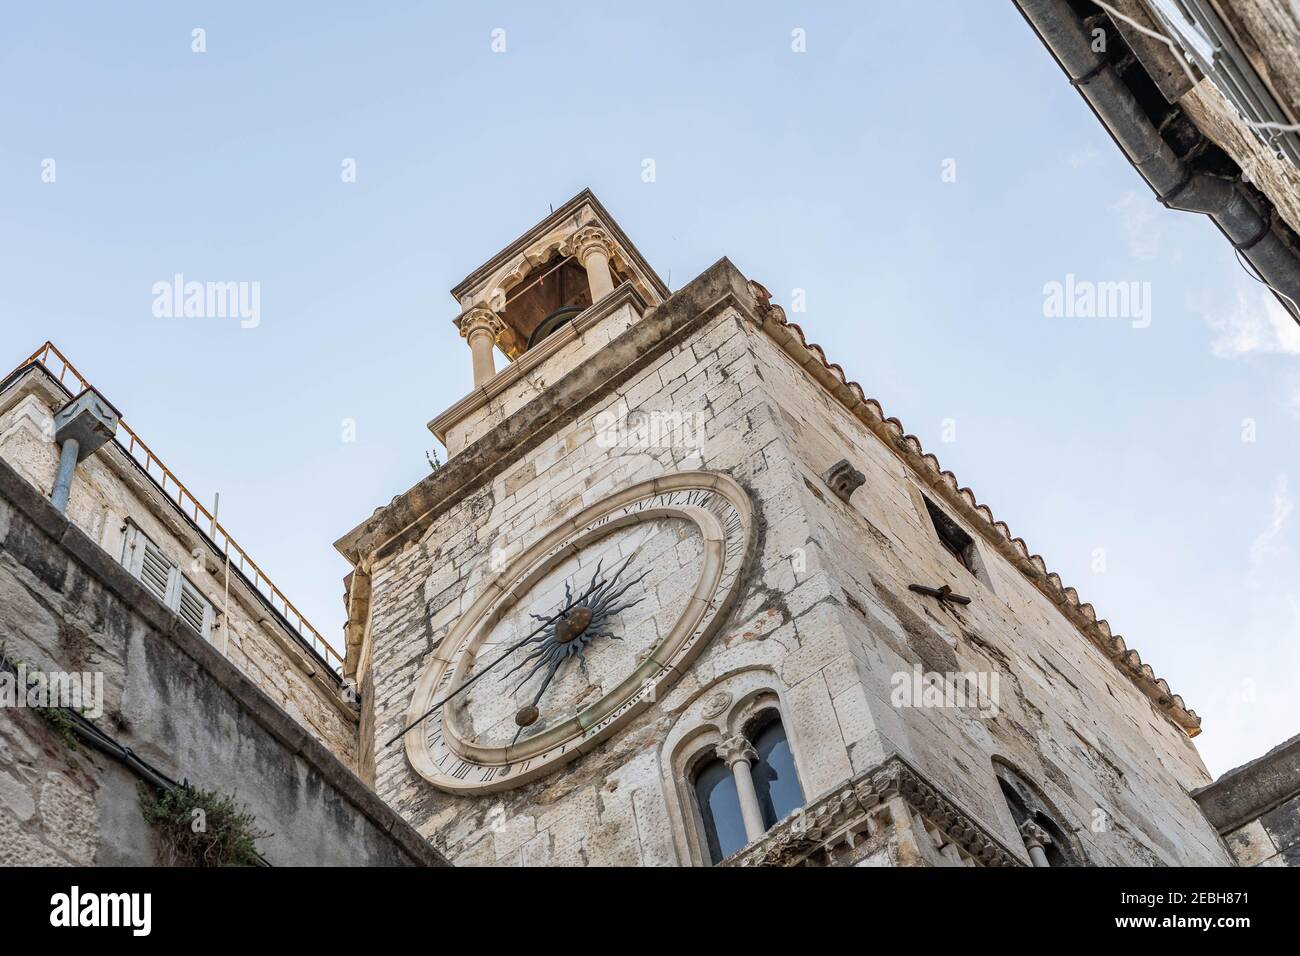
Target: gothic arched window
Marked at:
746, 786
715, 793
776, 784
1044, 838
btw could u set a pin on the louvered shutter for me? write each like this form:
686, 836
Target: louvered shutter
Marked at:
156, 570
194, 608
162, 576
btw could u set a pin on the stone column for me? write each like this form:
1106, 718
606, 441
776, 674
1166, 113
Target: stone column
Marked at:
480, 328
592, 248
1035, 838
739, 755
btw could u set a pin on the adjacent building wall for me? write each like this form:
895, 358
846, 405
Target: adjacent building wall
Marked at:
109, 490
1257, 808
169, 696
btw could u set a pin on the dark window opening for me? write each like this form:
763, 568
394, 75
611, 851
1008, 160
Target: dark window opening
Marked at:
951, 535
719, 805
1024, 807
775, 781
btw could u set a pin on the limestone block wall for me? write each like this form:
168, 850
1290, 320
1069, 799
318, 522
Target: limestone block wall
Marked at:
825, 622
173, 700
107, 491
1115, 769
1271, 839
615, 805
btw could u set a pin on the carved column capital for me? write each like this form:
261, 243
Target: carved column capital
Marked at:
735, 749
481, 319
1035, 837
482, 329
591, 239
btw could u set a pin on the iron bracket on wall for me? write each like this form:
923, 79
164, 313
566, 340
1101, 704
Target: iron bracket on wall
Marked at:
944, 594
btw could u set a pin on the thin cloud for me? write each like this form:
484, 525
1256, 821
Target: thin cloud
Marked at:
1137, 216
1266, 546
1256, 323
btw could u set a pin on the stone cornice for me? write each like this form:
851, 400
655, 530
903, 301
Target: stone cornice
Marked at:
568, 210
625, 294
833, 824
1249, 791
810, 357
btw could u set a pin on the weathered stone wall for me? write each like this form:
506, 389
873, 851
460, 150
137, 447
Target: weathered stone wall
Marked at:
1257, 808
1268, 32
1070, 721
65, 605
1271, 839
1114, 768
106, 491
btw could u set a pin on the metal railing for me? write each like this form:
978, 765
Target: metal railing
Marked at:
47, 356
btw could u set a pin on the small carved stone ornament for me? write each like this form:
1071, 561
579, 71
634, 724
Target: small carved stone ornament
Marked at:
715, 705
844, 479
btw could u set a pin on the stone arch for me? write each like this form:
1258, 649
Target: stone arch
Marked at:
1027, 803
721, 710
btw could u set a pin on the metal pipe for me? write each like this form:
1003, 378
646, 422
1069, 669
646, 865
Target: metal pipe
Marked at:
1177, 186
63, 480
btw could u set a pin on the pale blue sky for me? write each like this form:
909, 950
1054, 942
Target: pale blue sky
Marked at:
818, 171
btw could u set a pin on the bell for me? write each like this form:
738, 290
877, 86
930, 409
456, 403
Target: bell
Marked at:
560, 317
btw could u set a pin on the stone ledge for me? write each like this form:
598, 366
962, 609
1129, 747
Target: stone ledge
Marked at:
101, 567
1251, 790
831, 826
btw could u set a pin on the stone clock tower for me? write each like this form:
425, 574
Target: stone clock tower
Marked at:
683, 595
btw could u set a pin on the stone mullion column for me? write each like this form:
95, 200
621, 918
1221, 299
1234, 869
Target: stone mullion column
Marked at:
739, 755
480, 328
593, 249
1035, 838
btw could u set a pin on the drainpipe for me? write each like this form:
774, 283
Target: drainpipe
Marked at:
63, 480
1177, 186
81, 428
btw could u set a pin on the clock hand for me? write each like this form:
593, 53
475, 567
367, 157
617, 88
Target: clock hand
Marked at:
514, 647
540, 691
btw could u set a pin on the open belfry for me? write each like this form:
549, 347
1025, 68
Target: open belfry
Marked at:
683, 595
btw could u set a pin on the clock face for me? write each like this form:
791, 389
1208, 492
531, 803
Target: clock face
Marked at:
580, 633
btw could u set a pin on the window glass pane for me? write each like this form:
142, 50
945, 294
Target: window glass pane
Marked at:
775, 780
1018, 810
724, 828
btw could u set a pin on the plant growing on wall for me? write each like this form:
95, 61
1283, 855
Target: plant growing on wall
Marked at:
201, 827
58, 719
